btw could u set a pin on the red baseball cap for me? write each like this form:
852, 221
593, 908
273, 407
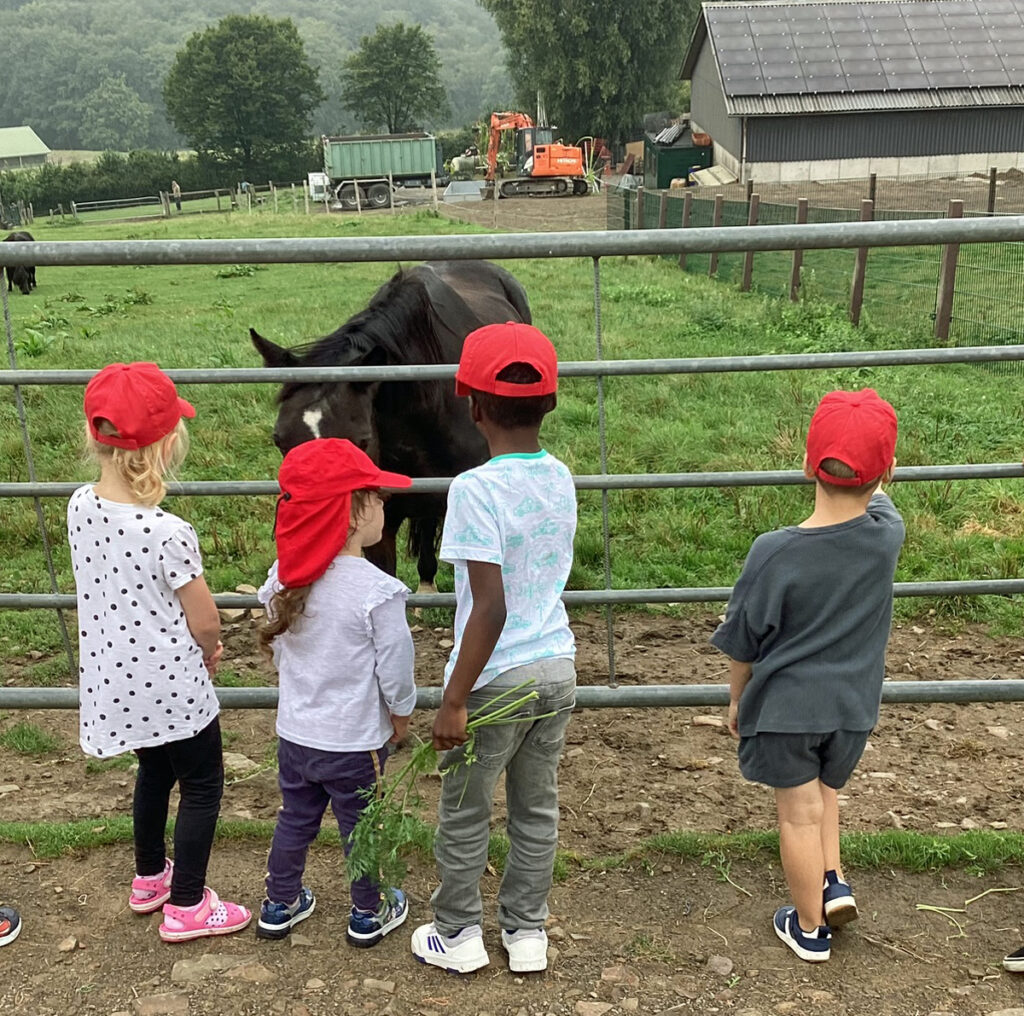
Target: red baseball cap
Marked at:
313, 511
858, 429
489, 350
139, 399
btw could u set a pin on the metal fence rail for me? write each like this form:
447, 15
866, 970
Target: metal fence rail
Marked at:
551, 245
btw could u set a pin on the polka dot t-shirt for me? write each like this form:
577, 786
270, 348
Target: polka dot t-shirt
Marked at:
142, 681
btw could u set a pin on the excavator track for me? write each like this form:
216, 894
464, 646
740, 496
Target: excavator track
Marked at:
542, 187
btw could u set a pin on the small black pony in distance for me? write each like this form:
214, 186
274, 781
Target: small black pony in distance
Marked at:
421, 315
21, 277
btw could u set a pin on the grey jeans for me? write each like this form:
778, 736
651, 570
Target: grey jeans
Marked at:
528, 754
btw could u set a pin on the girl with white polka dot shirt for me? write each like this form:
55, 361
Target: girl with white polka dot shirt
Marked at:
148, 644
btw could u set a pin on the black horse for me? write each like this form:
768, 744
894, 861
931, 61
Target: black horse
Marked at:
420, 316
21, 277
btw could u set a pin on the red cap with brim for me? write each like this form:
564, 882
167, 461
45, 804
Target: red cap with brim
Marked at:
856, 428
313, 511
489, 350
139, 400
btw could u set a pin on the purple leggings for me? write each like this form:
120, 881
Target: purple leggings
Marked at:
310, 778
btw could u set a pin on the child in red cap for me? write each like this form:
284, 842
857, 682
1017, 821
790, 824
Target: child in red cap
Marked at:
337, 631
148, 643
508, 532
806, 630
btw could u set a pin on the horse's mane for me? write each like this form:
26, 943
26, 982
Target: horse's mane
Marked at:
398, 320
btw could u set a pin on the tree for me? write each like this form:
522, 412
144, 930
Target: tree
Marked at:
114, 117
244, 92
394, 80
598, 66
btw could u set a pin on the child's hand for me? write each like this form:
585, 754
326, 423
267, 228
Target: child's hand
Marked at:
734, 719
401, 728
212, 660
450, 726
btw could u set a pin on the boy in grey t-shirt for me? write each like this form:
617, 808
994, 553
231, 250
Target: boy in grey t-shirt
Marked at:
806, 630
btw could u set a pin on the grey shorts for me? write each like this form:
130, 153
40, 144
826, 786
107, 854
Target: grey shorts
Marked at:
790, 760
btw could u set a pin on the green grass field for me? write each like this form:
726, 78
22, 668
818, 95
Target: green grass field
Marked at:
199, 317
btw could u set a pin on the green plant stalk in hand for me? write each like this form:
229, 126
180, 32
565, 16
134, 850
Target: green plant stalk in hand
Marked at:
386, 830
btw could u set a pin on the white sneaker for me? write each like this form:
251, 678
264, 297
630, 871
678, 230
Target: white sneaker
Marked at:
527, 949
461, 954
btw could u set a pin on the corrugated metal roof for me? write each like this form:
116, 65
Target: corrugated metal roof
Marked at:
863, 102
20, 141
847, 55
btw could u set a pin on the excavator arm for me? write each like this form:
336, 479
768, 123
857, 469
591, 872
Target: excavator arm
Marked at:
501, 122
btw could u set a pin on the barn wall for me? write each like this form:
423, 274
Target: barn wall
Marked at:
920, 134
708, 113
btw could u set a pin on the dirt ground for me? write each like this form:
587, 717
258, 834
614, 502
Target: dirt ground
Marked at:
533, 215
639, 938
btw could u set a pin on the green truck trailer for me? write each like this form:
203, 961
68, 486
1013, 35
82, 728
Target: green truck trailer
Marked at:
363, 168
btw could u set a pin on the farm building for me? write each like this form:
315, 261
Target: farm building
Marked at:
846, 88
21, 147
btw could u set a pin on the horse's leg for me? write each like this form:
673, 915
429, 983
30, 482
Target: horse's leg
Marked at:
426, 561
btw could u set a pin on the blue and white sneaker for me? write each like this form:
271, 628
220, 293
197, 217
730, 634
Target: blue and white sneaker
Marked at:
840, 906
278, 919
814, 948
368, 927
459, 954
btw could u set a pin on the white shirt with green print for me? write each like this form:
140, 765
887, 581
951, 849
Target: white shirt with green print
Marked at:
517, 511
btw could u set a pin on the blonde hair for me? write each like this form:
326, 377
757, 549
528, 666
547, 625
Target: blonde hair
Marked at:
287, 606
143, 470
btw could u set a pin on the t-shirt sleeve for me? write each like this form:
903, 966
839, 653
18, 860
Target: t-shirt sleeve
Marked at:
180, 557
471, 530
748, 617
393, 649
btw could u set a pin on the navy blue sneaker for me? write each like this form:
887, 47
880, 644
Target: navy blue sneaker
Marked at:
278, 919
10, 925
840, 906
368, 927
815, 948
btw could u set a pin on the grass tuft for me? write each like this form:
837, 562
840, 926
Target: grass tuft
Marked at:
28, 739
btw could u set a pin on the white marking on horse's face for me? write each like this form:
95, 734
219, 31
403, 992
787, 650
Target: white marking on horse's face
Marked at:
311, 418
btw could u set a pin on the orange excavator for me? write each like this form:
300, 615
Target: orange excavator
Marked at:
543, 169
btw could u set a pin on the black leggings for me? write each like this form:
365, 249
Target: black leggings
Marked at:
196, 764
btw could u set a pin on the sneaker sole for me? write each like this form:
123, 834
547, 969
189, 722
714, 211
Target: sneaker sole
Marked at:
841, 912
465, 968
1014, 964
804, 954
532, 967
365, 941
276, 932
12, 935
187, 936
150, 905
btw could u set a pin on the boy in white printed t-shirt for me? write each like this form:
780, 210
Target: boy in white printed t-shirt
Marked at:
508, 532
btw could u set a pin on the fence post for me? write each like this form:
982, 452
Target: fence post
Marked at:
433, 187
305, 198
391, 194
860, 264
639, 222
687, 211
294, 202
798, 254
872, 188
748, 258
273, 192
663, 210
716, 221
74, 210
991, 207
947, 278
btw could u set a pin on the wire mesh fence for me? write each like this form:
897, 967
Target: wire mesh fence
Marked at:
901, 284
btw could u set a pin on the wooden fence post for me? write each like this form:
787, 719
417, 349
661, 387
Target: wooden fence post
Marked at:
947, 278
295, 203
798, 254
860, 264
872, 187
663, 210
639, 221
433, 187
748, 258
991, 207
273, 191
716, 221
687, 211
391, 194
305, 199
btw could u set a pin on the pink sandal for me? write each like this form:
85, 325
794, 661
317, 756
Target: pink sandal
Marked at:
151, 892
211, 916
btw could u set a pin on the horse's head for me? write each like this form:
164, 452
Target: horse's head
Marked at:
324, 409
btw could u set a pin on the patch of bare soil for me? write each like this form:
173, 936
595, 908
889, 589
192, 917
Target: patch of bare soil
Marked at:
533, 215
627, 774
